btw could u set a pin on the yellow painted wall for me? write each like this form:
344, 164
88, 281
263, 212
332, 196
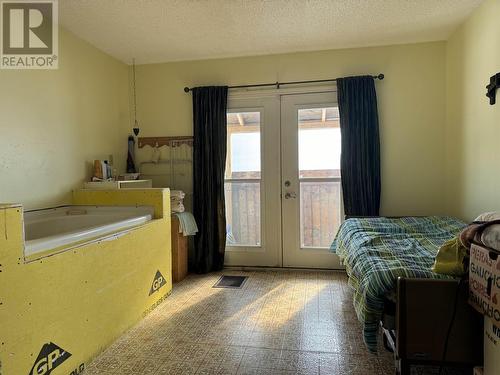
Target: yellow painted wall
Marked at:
54, 123
411, 107
473, 125
84, 298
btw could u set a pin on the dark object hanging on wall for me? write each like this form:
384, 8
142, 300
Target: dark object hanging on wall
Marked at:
131, 155
209, 161
492, 88
136, 124
360, 157
131, 141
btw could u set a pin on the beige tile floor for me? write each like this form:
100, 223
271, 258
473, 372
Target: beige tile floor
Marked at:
280, 322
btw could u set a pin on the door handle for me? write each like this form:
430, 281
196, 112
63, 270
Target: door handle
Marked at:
290, 195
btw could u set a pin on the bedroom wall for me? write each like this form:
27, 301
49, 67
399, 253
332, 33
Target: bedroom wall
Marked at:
473, 128
473, 125
53, 124
411, 107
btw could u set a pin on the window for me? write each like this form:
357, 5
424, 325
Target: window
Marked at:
243, 179
319, 176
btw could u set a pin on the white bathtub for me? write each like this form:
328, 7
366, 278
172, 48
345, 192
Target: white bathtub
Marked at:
55, 227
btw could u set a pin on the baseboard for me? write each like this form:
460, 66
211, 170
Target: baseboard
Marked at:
291, 269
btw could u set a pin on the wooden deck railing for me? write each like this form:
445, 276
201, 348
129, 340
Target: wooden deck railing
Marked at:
320, 210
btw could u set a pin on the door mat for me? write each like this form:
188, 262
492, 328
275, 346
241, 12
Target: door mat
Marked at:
231, 282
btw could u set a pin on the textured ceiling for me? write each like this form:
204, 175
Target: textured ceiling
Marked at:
172, 30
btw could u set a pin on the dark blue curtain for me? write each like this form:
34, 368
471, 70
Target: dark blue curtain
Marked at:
360, 159
209, 160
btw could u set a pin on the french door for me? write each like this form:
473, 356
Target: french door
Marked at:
252, 183
282, 187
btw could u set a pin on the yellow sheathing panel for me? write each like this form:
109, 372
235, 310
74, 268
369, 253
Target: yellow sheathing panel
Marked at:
79, 300
11, 243
158, 198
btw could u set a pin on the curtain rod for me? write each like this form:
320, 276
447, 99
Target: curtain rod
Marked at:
278, 84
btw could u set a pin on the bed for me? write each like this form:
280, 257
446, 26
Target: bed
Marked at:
376, 251
381, 253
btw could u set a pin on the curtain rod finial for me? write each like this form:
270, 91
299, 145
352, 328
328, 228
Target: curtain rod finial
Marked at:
380, 76
186, 89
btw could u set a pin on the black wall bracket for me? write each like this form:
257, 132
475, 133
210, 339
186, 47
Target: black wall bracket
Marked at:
492, 88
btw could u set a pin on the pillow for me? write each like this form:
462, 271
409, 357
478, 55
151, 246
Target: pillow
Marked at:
450, 258
488, 216
491, 237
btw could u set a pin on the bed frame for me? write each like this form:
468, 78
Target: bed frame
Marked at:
424, 312
416, 325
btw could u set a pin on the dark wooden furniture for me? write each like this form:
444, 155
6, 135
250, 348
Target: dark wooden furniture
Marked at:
179, 252
424, 312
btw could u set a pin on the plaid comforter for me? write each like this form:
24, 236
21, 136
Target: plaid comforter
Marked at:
376, 251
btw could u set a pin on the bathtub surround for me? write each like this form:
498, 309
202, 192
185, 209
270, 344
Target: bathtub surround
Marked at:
145, 197
55, 229
54, 123
73, 301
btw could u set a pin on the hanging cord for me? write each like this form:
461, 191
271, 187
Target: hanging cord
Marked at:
135, 99
450, 327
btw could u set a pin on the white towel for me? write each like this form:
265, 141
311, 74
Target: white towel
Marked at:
155, 157
178, 194
187, 224
177, 207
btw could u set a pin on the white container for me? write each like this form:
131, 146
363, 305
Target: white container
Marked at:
111, 185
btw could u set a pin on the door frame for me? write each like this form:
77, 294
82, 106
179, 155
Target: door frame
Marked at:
293, 254
271, 182
268, 254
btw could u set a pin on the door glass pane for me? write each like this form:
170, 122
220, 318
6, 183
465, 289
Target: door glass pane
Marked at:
320, 213
242, 213
243, 145
319, 159
243, 162
319, 142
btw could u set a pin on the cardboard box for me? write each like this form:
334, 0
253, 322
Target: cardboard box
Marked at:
484, 282
491, 348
